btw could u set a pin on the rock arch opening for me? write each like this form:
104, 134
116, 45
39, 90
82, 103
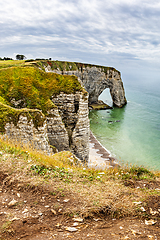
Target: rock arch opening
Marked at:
105, 96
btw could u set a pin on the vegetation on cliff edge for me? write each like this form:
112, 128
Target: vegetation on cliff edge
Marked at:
9, 114
24, 84
34, 88
70, 66
121, 191
24, 87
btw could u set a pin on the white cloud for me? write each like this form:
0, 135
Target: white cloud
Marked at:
125, 30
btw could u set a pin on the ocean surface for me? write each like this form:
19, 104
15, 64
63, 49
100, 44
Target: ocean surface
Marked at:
132, 133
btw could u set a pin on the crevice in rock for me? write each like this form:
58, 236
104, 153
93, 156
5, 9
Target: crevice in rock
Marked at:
68, 111
76, 106
70, 132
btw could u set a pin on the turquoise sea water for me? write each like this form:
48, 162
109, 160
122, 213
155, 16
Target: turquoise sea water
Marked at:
132, 133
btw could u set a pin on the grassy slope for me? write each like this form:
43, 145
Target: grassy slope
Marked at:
11, 63
34, 86
114, 189
31, 87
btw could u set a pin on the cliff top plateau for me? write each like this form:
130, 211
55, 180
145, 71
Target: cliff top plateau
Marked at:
54, 196
46, 102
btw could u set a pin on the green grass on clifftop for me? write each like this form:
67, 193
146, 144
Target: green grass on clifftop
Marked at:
32, 88
9, 114
11, 63
70, 66
24, 88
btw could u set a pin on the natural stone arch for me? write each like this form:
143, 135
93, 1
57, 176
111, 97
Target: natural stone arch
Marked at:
95, 81
97, 78
106, 97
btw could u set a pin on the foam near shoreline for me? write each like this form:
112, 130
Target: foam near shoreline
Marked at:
99, 156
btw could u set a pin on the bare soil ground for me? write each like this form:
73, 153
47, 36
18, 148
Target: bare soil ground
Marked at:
30, 211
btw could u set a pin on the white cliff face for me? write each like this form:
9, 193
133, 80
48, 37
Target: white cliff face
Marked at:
96, 79
24, 132
73, 109
80, 136
56, 131
64, 128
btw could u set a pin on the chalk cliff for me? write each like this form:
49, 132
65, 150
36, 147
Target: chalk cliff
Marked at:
63, 128
25, 132
61, 122
44, 103
95, 79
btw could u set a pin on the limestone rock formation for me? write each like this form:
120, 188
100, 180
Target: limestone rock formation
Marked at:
73, 109
47, 111
68, 125
95, 80
64, 127
50, 110
25, 132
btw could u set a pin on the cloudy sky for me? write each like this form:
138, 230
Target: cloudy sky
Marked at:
124, 34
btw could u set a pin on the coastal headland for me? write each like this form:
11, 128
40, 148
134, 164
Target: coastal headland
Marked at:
45, 103
46, 192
